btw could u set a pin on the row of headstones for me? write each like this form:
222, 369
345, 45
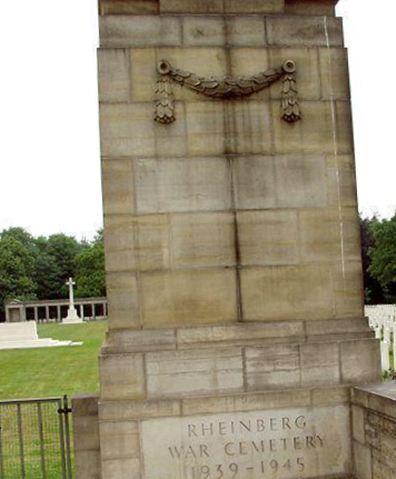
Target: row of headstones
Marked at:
382, 319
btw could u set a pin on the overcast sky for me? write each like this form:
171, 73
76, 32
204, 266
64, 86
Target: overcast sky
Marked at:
49, 163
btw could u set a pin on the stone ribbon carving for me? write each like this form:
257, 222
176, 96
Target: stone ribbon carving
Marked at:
226, 88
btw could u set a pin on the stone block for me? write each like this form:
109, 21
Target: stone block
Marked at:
247, 402
332, 327
306, 59
358, 424
247, 127
203, 31
118, 187
120, 233
381, 471
327, 450
121, 469
167, 185
304, 30
300, 181
139, 31
181, 298
334, 77
130, 410
123, 300
203, 61
153, 242
120, 440
246, 62
113, 71
287, 292
239, 333
348, 288
344, 127
272, 367
268, 237
242, 31
122, 376
319, 364
206, 239
252, 6
134, 341
191, 6
129, 130
331, 396
254, 182
314, 134
200, 372
360, 361
86, 433
205, 128
341, 180
363, 463
87, 465
310, 7
321, 234
128, 7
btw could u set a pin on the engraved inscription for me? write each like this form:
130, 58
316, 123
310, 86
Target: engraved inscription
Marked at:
279, 444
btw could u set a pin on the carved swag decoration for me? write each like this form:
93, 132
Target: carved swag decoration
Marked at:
227, 88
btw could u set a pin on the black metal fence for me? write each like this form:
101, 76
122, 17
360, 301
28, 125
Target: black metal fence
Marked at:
35, 439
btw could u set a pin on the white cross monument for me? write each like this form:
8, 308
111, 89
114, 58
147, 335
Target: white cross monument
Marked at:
72, 316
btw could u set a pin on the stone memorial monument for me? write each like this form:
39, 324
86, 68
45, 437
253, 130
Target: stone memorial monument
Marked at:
72, 316
234, 280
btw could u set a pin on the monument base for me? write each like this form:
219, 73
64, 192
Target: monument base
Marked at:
72, 317
24, 336
247, 401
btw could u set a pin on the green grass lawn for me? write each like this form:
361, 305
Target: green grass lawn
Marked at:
44, 372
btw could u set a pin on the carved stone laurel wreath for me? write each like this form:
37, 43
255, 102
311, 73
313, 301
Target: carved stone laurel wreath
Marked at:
227, 88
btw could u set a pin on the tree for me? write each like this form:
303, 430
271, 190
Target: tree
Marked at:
383, 256
55, 264
372, 289
90, 269
17, 263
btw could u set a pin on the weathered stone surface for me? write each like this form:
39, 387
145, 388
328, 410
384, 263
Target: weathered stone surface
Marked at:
310, 7
203, 31
127, 7
277, 293
191, 6
334, 76
313, 443
360, 361
268, 237
123, 300
201, 372
169, 185
120, 440
244, 31
113, 68
139, 30
122, 377
205, 296
252, 6
118, 186
304, 30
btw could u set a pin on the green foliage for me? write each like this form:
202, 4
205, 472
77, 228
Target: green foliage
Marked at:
90, 270
33, 268
383, 255
17, 262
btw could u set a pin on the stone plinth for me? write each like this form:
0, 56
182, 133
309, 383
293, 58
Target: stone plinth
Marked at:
374, 431
24, 336
232, 242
